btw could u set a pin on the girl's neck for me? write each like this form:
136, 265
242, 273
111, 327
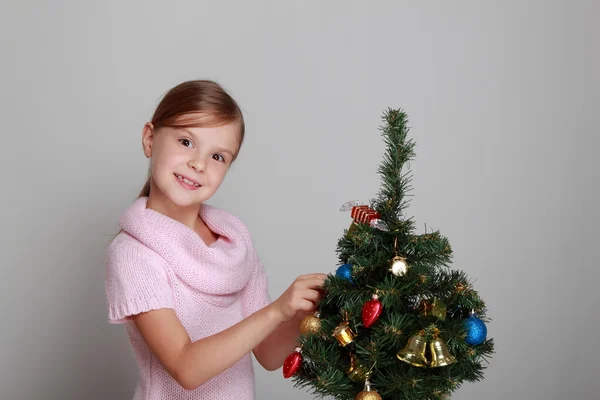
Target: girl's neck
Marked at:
189, 216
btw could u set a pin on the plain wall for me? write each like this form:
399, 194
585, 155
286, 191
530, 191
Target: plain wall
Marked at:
503, 102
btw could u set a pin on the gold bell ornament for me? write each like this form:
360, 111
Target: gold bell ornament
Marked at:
368, 393
440, 356
414, 352
311, 324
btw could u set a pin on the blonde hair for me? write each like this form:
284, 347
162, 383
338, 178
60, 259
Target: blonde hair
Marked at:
206, 103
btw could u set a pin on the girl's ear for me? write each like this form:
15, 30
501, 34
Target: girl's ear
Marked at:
147, 139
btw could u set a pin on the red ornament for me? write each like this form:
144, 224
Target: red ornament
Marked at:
371, 311
292, 363
356, 209
361, 213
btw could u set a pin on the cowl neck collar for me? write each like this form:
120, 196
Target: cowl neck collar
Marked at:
222, 268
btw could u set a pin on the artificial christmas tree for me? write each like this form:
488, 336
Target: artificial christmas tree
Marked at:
395, 321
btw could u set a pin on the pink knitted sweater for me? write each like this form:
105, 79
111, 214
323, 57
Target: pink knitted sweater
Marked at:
157, 262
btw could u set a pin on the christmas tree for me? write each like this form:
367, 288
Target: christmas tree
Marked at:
395, 321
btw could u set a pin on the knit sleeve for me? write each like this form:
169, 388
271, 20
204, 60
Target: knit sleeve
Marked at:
256, 293
136, 281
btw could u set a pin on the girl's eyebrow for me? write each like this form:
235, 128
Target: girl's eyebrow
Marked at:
221, 149
190, 132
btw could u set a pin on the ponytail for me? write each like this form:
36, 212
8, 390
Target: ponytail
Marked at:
144, 193
146, 189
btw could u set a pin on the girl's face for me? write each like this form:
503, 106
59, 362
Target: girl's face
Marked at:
188, 164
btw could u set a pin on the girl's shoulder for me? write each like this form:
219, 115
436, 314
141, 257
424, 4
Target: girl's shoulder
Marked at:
125, 247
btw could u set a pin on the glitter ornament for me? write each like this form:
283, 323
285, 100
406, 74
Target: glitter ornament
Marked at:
345, 272
368, 393
311, 324
476, 330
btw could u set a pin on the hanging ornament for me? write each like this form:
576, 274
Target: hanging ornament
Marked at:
399, 265
368, 393
476, 330
352, 230
311, 324
440, 355
344, 334
344, 271
356, 372
414, 351
352, 367
371, 311
292, 363
364, 214
437, 309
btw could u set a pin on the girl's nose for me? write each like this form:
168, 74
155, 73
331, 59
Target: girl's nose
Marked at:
197, 165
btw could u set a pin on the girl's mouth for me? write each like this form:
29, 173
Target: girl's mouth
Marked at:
187, 181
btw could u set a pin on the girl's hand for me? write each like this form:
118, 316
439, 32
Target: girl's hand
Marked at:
302, 295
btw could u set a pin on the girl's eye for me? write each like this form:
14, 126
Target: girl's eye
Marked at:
218, 157
186, 142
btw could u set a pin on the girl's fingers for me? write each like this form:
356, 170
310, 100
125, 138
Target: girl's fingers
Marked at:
314, 282
312, 295
305, 305
311, 276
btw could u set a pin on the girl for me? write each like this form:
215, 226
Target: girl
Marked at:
184, 276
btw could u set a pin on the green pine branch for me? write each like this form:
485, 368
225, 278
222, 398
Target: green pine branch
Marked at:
395, 182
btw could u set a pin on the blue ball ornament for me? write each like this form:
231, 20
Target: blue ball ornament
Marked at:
476, 330
345, 272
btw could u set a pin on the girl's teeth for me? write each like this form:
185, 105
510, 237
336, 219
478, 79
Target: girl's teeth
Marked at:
181, 178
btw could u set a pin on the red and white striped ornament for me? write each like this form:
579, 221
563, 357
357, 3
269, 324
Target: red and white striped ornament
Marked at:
364, 214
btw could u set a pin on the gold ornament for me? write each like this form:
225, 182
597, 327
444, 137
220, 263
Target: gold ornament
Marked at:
437, 309
356, 373
344, 334
352, 366
399, 266
414, 352
352, 230
311, 324
440, 356
368, 393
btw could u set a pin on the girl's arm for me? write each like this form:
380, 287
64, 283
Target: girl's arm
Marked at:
193, 363
272, 351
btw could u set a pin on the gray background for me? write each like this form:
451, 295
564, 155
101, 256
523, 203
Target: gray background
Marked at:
503, 100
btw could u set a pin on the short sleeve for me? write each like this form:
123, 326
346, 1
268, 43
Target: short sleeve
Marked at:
136, 280
256, 293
